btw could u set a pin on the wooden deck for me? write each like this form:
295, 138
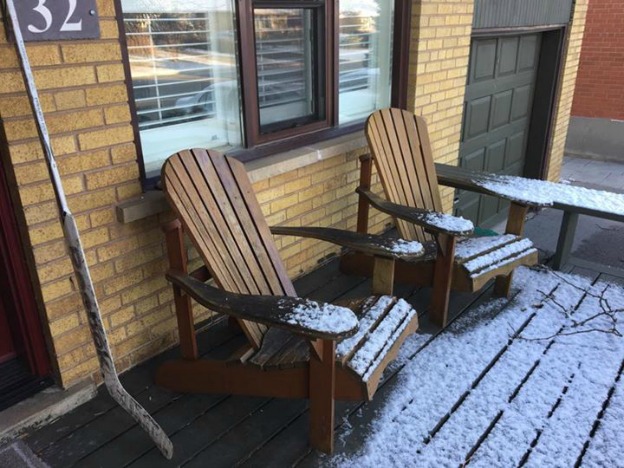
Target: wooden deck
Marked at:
222, 430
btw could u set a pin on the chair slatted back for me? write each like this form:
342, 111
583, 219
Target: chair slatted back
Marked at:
213, 198
401, 150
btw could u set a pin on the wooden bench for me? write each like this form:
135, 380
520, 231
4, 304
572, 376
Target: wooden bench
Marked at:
572, 200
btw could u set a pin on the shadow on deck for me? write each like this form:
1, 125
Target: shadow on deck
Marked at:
222, 430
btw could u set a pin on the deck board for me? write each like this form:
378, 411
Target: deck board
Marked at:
222, 430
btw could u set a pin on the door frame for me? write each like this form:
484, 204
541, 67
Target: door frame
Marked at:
545, 95
27, 330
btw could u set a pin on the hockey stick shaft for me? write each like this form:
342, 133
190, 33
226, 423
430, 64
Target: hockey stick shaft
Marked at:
81, 268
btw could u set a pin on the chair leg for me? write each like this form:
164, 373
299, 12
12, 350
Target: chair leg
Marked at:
322, 391
442, 277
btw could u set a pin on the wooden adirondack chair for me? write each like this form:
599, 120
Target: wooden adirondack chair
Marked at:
401, 152
294, 345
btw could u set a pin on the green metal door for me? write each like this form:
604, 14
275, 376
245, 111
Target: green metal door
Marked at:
497, 111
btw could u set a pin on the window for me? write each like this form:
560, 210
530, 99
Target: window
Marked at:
249, 75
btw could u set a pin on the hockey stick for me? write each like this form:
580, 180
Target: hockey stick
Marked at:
72, 237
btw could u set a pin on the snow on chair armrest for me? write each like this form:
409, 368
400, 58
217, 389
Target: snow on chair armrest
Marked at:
430, 220
301, 316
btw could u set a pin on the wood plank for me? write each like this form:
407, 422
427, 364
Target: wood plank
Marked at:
536, 421
606, 442
251, 432
380, 147
132, 445
522, 363
427, 159
223, 213
372, 311
367, 243
137, 381
401, 159
271, 261
196, 231
205, 430
469, 311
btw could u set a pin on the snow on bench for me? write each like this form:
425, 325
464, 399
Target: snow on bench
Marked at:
571, 199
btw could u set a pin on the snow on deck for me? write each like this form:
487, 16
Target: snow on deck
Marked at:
532, 381
544, 192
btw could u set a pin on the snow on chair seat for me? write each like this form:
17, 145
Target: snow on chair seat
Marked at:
479, 259
384, 323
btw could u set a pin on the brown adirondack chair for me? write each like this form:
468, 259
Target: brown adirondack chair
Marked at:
296, 348
401, 152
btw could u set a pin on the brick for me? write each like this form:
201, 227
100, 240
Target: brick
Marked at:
73, 99
110, 72
40, 235
65, 324
56, 289
117, 114
106, 137
91, 52
112, 176
102, 217
283, 203
138, 258
123, 153
50, 78
20, 129
14, 106
91, 200
11, 82
74, 120
40, 213
129, 190
107, 95
85, 161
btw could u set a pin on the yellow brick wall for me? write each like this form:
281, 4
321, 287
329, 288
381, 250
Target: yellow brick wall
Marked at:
86, 107
84, 98
568, 83
439, 52
321, 194
85, 102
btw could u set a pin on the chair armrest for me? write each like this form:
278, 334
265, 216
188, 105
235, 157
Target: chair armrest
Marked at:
367, 243
430, 220
301, 316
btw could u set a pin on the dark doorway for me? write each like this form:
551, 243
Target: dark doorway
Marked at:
24, 363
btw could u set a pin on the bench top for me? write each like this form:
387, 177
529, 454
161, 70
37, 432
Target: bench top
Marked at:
538, 193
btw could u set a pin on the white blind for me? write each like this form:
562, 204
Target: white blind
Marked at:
171, 64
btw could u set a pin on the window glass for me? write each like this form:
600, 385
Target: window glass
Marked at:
184, 75
365, 57
286, 67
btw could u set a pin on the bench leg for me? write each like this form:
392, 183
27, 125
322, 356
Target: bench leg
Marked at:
322, 391
442, 277
515, 225
566, 239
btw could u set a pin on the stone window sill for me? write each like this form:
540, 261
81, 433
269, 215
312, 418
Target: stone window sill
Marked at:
153, 202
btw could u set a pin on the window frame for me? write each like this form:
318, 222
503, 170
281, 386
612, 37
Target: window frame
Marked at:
252, 136
256, 145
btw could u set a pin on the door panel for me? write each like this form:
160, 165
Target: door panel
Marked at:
498, 103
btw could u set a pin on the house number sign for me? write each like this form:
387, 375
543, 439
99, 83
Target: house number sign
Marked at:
50, 20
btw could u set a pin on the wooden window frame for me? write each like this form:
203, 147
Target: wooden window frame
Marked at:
258, 146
